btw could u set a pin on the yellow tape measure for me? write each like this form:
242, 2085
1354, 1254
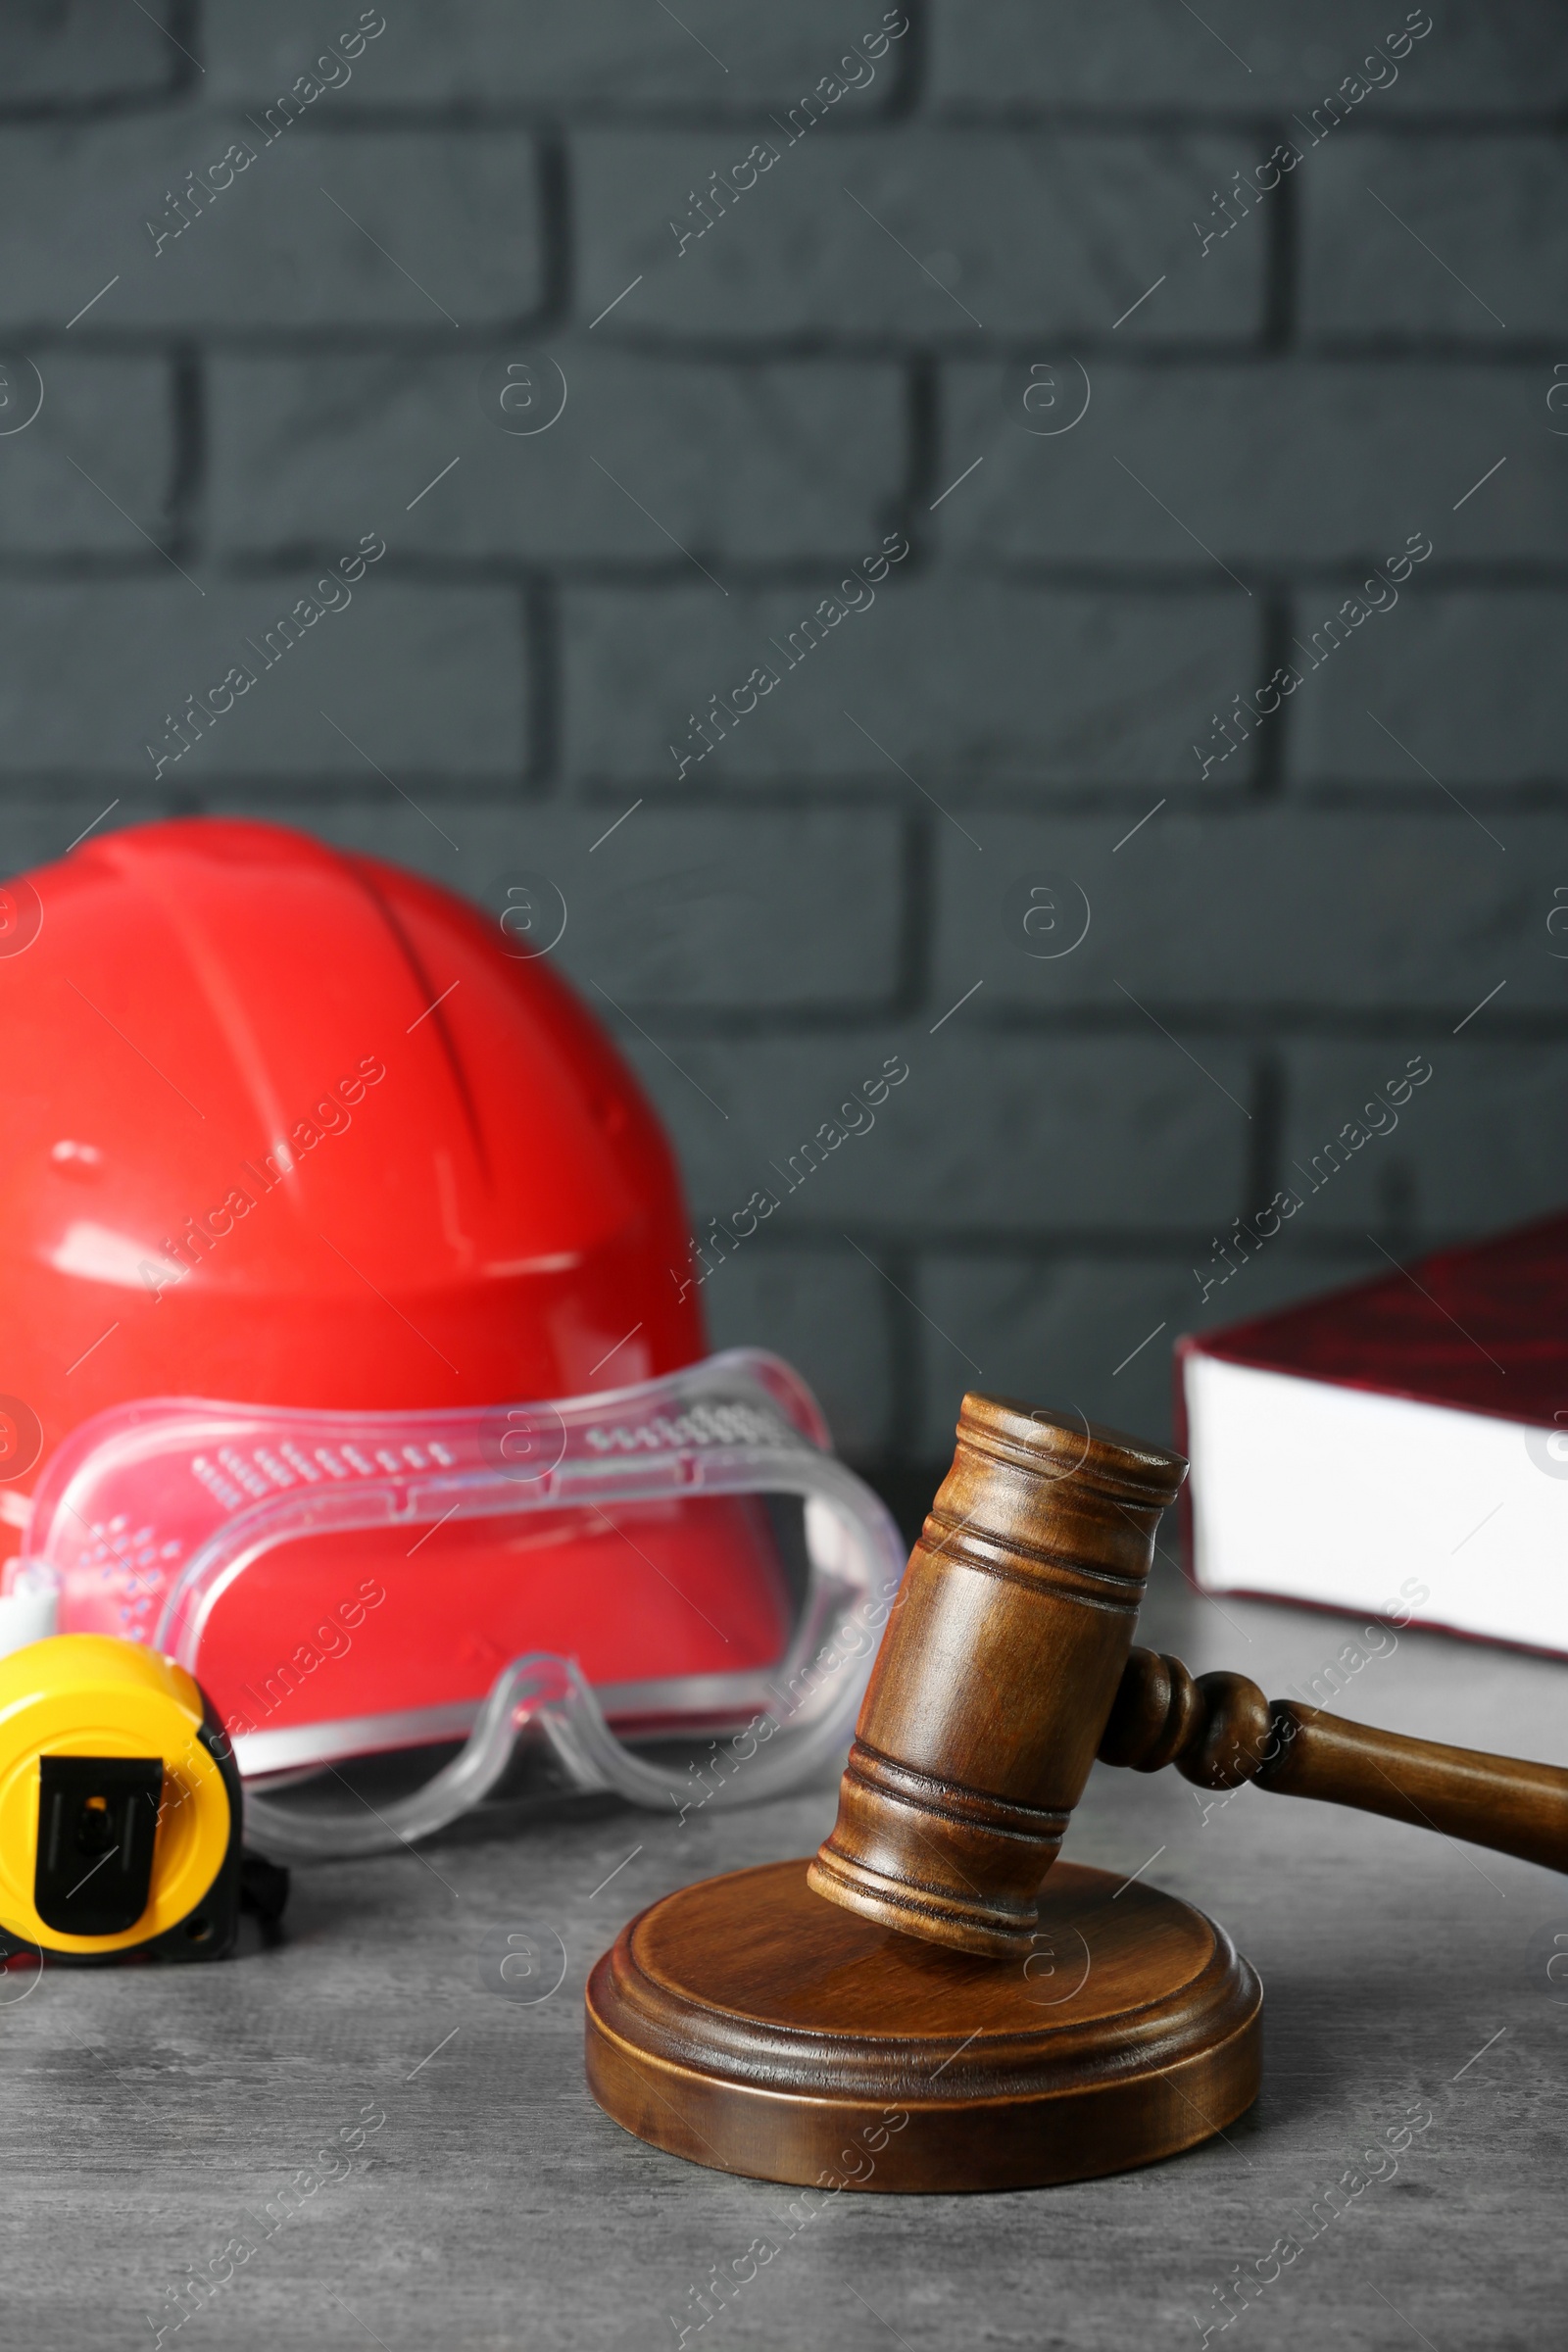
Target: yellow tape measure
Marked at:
119, 1805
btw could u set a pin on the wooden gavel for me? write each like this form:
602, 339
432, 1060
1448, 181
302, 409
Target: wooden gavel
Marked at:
1008, 1666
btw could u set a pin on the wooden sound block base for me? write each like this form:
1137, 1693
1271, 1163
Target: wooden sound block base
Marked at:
747, 2024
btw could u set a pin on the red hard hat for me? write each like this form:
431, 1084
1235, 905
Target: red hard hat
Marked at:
291, 1126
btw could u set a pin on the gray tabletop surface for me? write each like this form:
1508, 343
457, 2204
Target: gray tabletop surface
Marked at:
152, 2115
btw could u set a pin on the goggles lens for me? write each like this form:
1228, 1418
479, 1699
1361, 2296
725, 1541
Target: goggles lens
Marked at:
612, 1577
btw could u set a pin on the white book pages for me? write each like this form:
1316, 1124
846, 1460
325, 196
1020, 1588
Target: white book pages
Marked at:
1355, 1500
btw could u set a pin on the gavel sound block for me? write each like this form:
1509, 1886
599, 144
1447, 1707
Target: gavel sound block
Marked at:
952, 2017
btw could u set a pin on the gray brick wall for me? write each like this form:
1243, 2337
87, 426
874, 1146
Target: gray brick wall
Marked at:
879, 341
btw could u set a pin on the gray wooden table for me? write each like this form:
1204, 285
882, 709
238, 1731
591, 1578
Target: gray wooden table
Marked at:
154, 2118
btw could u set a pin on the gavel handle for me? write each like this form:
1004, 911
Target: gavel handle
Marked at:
1219, 1730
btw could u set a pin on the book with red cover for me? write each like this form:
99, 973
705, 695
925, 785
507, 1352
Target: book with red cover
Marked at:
1400, 1448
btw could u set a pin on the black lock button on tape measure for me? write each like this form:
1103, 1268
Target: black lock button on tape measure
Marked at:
121, 1811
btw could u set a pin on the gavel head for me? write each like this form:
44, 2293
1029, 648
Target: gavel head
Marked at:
996, 1674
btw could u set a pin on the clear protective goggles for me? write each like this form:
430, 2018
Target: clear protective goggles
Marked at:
674, 1589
